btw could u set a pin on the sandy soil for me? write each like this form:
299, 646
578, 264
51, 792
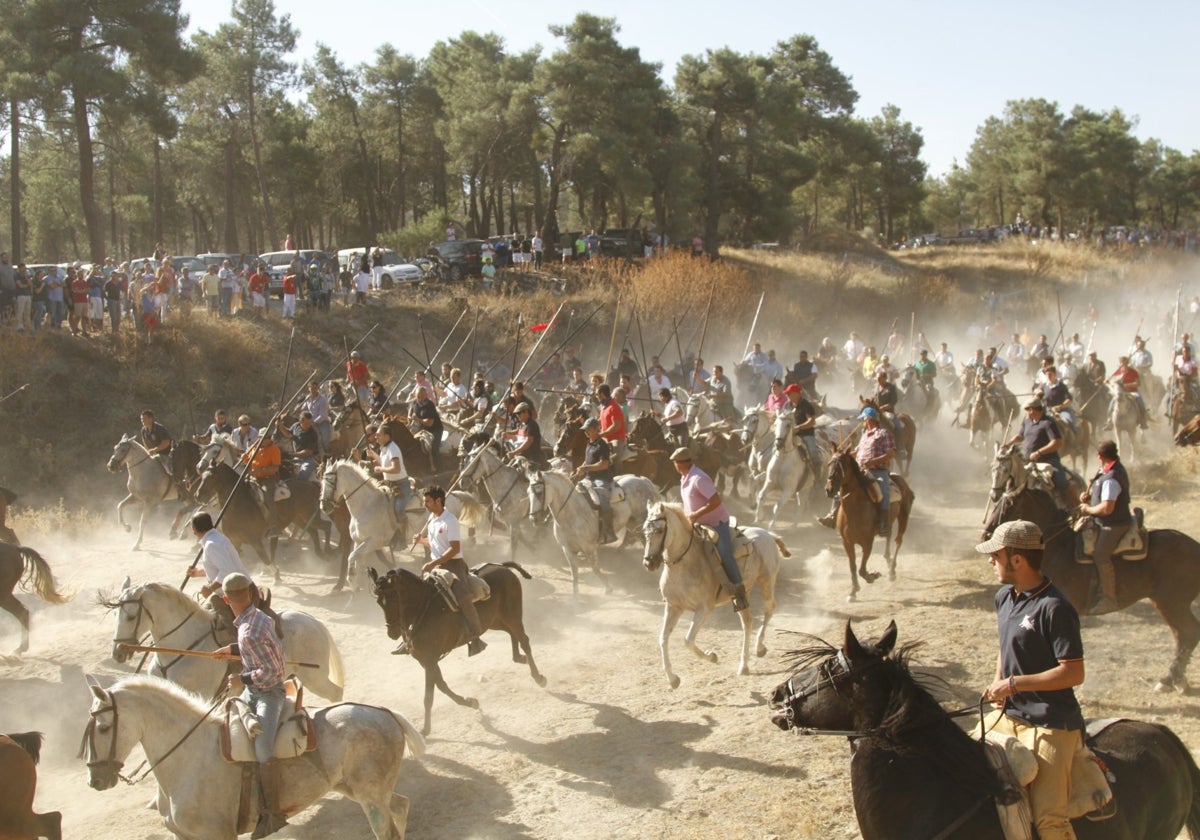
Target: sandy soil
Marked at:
607, 749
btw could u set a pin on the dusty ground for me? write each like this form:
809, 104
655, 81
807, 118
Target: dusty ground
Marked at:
607, 749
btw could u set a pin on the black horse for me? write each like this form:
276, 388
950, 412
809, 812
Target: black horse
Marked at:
7, 534
1169, 576
916, 774
413, 609
17, 563
244, 522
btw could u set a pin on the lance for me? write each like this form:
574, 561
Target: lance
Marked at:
754, 323
675, 332
474, 339
442, 346
645, 370
625, 338
14, 393
1060, 333
565, 392
1061, 322
613, 338
424, 340
200, 653
912, 328
516, 348
678, 349
466, 338
703, 333
1176, 347
565, 341
340, 365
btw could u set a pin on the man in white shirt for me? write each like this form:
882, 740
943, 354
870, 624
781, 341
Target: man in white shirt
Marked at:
772, 369
853, 348
1015, 351
445, 546
218, 559
389, 466
658, 379
454, 397
537, 247
756, 358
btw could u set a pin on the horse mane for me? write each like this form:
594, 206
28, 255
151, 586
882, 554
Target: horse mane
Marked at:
361, 472
677, 509
169, 592
145, 684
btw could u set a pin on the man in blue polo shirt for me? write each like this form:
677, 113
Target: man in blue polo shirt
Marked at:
1040, 663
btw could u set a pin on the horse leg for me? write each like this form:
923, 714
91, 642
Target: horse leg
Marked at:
747, 626
867, 544
400, 805
120, 508
440, 682
699, 616
671, 615
850, 550
49, 825
767, 588
519, 636
10, 603
1186, 630
570, 555
146, 508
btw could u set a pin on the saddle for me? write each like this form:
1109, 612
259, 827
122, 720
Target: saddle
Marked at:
742, 546
593, 493
295, 737
443, 580
1016, 765
1134, 545
281, 491
876, 495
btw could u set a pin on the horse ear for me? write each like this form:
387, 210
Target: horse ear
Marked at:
126, 584
851, 645
887, 641
97, 692
996, 447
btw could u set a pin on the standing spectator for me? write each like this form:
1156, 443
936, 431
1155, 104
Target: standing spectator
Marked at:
22, 297
212, 291
346, 282
259, 283
536, 244
227, 278
362, 282
288, 244
328, 285
450, 234
40, 300
8, 288
358, 378
114, 290
56, 297
95, 314
187, 290
312, 286
291, 284
78, 317
697, 245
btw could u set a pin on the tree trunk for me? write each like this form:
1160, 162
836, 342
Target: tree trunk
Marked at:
158, 190
550, 224
268, 213
87, 177
400, 178
231, 236
712, 187
368, 187
15, 179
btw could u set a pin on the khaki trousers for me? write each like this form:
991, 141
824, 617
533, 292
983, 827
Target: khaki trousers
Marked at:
1051, 789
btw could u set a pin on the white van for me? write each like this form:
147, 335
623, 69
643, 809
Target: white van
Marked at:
391, 270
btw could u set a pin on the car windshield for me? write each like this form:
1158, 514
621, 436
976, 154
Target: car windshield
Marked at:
276, 260
389, 258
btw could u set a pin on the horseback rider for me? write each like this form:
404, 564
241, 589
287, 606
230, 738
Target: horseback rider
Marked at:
804, 422
219, 426
612, 423
804, 373
1056, 397
1129, 381
261, 681
156, 439
388, 464
926, 371
1041, 440
445, 545
358, 378
721, 391
1040, 663
245, 435
1140, 357
218, 560
1107, 501
526, 438
674, 419
264, 470
596, 476
703, 506
874, 455
306, 445
317, 405
1185, 375
886, 397
757, 360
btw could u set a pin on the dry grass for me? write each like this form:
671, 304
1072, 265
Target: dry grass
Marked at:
34, 524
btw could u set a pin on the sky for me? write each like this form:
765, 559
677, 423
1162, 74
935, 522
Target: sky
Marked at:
947, 65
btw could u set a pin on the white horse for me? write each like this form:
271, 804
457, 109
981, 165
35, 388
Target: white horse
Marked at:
149, 483
174, 620
755, 434
358, 754
577, 524
219, 450
787, 471
1123, 417
506, 485
372, 522
692, 581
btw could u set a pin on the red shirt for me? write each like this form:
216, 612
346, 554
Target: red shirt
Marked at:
259, 282
611, 415
1127, 377
356, 372
79, 290
289, 284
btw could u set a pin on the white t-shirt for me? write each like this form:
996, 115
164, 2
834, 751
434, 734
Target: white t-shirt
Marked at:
219, 558
362, 281
443, 530
537, 243
389, 455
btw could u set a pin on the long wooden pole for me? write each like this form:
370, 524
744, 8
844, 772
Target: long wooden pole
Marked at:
200, 653
703, 332
754, 324
474, 340
613, 338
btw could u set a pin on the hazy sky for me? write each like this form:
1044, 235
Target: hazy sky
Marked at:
947, 65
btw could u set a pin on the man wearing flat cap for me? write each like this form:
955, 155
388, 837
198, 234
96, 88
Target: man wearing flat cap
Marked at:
703, 506
1041, 439
1039, 665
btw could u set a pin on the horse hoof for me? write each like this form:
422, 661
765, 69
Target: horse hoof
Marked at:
761, 651
673, 680
540, 680
710, 655
744, 671
869, 577
471, 702
1163, 687
127, 528
891, 575
852, 597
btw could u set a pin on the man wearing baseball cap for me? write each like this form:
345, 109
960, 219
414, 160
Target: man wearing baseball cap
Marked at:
596, 477
702, 504
804, 422
1040, 663
874, 455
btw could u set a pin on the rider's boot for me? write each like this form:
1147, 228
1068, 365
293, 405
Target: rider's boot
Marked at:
269, 500
740, 601
830, 519
270, 816
1107, 575
884, 527
607, 535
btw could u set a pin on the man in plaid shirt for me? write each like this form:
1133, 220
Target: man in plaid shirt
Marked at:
874, 455
261, 680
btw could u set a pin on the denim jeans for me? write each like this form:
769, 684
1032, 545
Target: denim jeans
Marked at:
306, 468
725, 549
39, 313
267, 707
885, 485
401, 496
58, 313
226, 299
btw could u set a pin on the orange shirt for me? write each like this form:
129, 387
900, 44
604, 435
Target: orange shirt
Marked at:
266, 461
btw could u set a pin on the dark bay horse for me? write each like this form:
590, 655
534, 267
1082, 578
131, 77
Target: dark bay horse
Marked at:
7, 534
412, 608
1169, 576
857, 519
19, 755
915, 773
244, 522
17, 562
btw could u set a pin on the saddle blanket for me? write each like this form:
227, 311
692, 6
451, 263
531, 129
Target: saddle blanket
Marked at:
1134, 545
1017, 767
742, 546
592, 493
295, 737
281, 491
444, 579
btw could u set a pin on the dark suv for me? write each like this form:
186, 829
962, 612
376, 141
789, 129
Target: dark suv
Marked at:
621, 242
460, 258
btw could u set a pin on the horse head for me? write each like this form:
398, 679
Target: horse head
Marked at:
839, 689
120, 453
329, 482
839, 471
654, 529
785, 423
389, 591
130, 614
569, 435
102, 745
749, 429
1007, 470
538, 510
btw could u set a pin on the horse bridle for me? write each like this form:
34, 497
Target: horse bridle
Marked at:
826, 676
133, 640
540, 492
650, 527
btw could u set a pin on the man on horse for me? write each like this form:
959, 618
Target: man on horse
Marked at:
218, 560
1107, 501
1056, 397
430, 420
804, 422
674, 419
445, 548
874, 455
926, 371
261, 680
757, 360
804, 373
388, 464
595, 475
703, 506
720, 389
306, 445
1041, 439
219, 426
1129, 382
612, 423
1040, 663
316, 405
358, 378
526, 438
886, 397
156, 439
264, 470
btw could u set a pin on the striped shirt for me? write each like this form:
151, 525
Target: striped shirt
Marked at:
260, 649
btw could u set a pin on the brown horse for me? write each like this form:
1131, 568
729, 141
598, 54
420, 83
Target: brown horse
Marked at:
1169, 576
1188, 434
414, 609
17, 562
7, 497
647, 435
19, 755
857, 519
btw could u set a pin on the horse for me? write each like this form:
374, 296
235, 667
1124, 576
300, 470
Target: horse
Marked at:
19, 755
17, 562
358, 753
415, 610
905, 435
1076, 438
755, 434
1189, 433
172, 619
244, 522
7, 534
691, 580
647, 434
1169, 576
505, 484
918, 401
184, 455
857, 518
372, 522
1124, 420
1183, 402
915, 773
148, 483
577, 524
788, 470
1010, 474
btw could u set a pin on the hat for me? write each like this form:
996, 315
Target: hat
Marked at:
524, 406
869, 413
1017, 534
591, 423
235, 582
1036, 403
793, 389
353, 354
681, 454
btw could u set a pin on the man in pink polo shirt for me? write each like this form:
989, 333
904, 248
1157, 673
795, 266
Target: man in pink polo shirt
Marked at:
703, 506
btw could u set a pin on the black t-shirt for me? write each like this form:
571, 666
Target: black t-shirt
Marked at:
886, 395
155, 435
598, 450
533, 433
428, 411
804, 370
1038, 433
303, 440
1038, 629
1055, 395
802, 412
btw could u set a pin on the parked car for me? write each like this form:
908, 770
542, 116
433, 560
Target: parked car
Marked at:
621, 242
387, 267
218, 259
460, 258
277, 263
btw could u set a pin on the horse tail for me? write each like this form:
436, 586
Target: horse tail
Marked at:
412, 736
517, 567
39, 575
472, 511
337, 671
31, 742
783, 549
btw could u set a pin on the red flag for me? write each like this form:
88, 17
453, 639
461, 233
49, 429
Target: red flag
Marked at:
538, 327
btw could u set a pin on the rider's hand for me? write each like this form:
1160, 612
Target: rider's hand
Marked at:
1084, 498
